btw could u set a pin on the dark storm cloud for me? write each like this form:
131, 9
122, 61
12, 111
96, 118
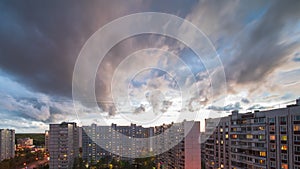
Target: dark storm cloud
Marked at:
245, 100
40, 41
261, 51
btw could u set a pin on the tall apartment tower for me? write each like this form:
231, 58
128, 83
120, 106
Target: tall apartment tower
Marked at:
46, 141
263, 139
184, 155
7, 144
63, 145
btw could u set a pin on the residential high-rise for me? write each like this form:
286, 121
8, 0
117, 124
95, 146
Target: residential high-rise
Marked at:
263, 139
184, 155
63, 145
108, 141
7, 144
46, 141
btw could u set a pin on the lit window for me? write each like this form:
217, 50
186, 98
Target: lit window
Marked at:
234, 136
296, 127
249, 136
261, 137
272, 137
284, 147
226, 136
284, 138
262, 153
284, 166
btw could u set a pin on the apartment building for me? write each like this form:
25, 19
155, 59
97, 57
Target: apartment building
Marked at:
7, 144
63, 145
186, 153
262, 139
115, 141
47, 141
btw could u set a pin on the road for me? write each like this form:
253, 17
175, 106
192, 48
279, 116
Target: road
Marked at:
35, 164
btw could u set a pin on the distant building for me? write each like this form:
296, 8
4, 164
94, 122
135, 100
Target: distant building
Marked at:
184, 155
25, 142
262, 139
7, 144
47, 141
106, 142
80, 136
63, 145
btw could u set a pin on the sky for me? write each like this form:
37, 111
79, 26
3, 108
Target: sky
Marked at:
256, 41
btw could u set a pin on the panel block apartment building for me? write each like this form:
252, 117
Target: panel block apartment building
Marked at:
108, 141
7, 144
262, 139
63, 145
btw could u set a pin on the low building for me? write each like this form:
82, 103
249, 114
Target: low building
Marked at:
25, 142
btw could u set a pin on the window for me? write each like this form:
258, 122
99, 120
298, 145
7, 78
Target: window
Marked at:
272, 137
283, 128
262, 153
296, 127
284, 156
284, 147
283, 138
272, 128
297, 158
297, 138
261, 137
261, 128
272, 155
226, 136
272, 120
297, 118
249, 136
234, 136
283, 119
272, 164
297, 148
284, 166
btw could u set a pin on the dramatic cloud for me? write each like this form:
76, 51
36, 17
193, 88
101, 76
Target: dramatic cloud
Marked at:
257, 42
229, 107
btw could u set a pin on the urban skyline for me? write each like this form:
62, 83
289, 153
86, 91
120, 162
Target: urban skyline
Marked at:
259, 139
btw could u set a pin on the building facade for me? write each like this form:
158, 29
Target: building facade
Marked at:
262, 139
7, 144
184, 155
100, 142
47, 141
63, 145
